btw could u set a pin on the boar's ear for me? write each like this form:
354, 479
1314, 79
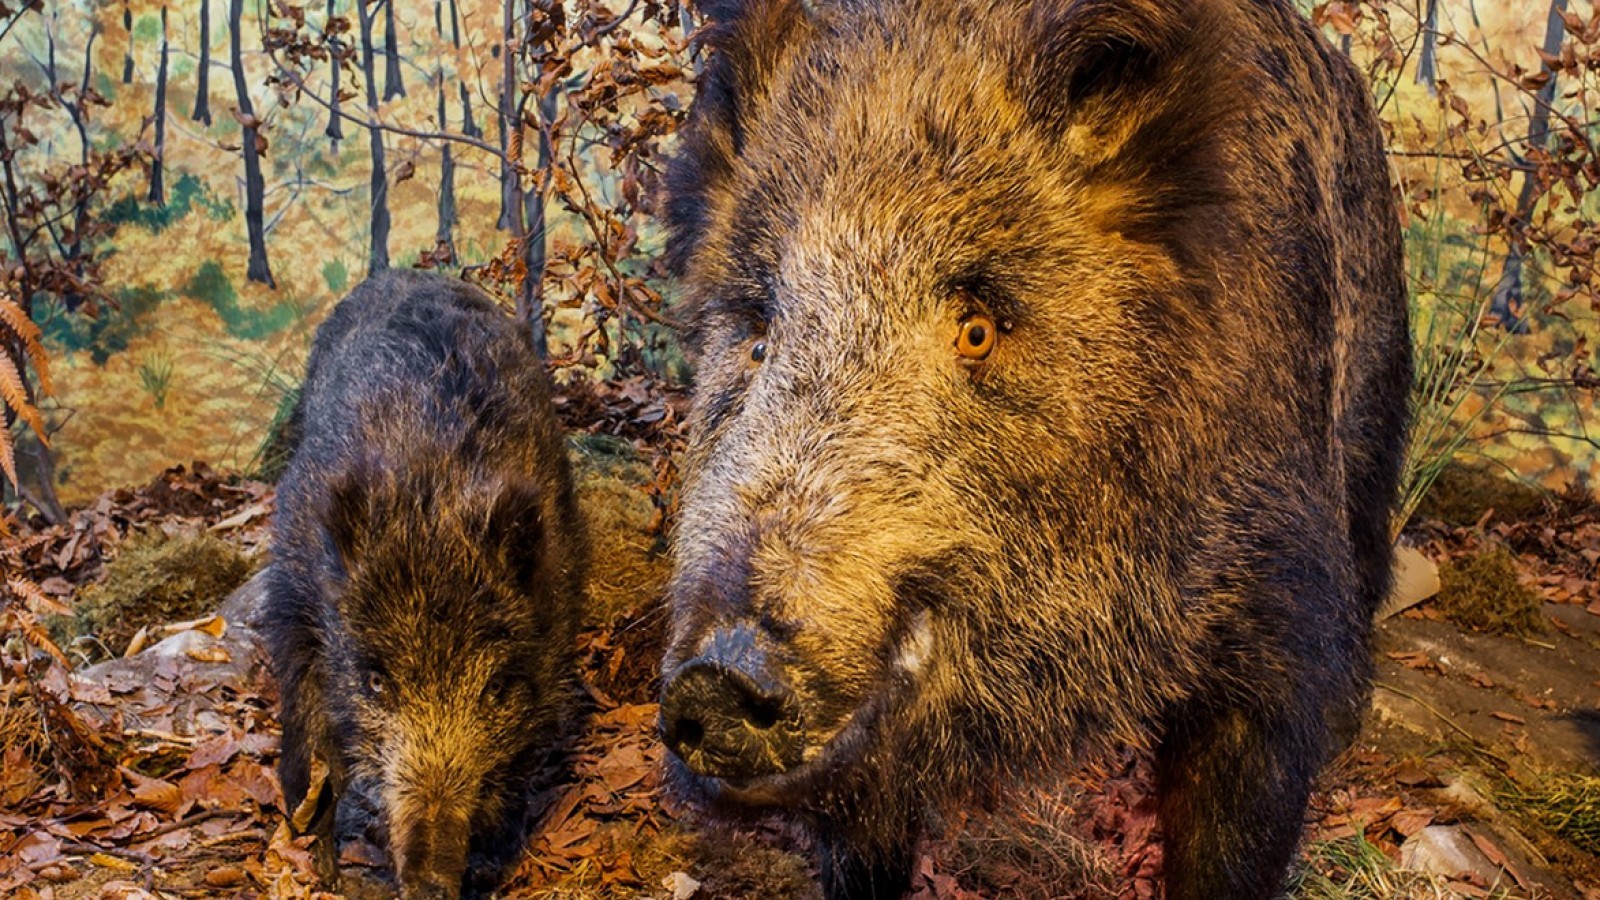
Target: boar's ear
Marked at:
1112, 76
516, 523
746, 41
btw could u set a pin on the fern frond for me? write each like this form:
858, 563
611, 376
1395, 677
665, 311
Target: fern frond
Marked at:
28, 332
11, 313
29, 626
41, 368
8, 456
15, 393
14, 550
38, 601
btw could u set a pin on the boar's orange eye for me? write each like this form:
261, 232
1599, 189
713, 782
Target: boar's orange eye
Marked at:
375, 684
976, 337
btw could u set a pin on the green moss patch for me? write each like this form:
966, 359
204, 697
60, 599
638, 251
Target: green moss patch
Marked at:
153, 581
1463, 493
629, 565
1483, 593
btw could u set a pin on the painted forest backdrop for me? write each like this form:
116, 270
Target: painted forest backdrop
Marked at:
189, 187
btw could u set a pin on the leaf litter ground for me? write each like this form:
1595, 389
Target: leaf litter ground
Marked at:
151, 774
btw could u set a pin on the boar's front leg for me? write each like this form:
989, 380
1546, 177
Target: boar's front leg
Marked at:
1233, 789
855, 869
311, 772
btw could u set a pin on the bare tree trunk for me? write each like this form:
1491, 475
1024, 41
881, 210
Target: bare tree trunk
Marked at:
530, 300
518, 206
1427, 66
1505, 304
510, 191
254, 188
158, 191
469, 126
335, 129
80, 206
36, 469
1499, 111
34, 460
393, 86
202, 97
378, 256
447, 167
127, 55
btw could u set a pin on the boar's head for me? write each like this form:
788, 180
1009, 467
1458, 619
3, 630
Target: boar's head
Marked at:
938, 260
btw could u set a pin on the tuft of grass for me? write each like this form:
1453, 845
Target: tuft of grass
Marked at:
21, 726
155, 373
1566, 804
1483, 593
1354, 868
154, 580
283, 433
1456, 343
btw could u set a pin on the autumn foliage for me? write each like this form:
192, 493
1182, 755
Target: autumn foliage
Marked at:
1496, 163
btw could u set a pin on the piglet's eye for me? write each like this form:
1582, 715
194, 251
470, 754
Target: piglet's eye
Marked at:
758, 352
976, 337
498, 689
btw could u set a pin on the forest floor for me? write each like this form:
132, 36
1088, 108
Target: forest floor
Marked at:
140, 762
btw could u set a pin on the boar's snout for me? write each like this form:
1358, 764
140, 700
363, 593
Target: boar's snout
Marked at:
729, 713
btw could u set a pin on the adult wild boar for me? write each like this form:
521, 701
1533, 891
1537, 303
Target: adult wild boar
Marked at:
1052, 375
425, 591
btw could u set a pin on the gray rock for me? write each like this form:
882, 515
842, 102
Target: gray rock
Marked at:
1448, 850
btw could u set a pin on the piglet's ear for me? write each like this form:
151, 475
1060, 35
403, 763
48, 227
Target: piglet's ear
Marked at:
348, 515
516, 523
728, 11
720, 10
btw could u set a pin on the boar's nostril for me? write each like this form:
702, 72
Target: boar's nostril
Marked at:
686, 732
726, 722
762, 713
